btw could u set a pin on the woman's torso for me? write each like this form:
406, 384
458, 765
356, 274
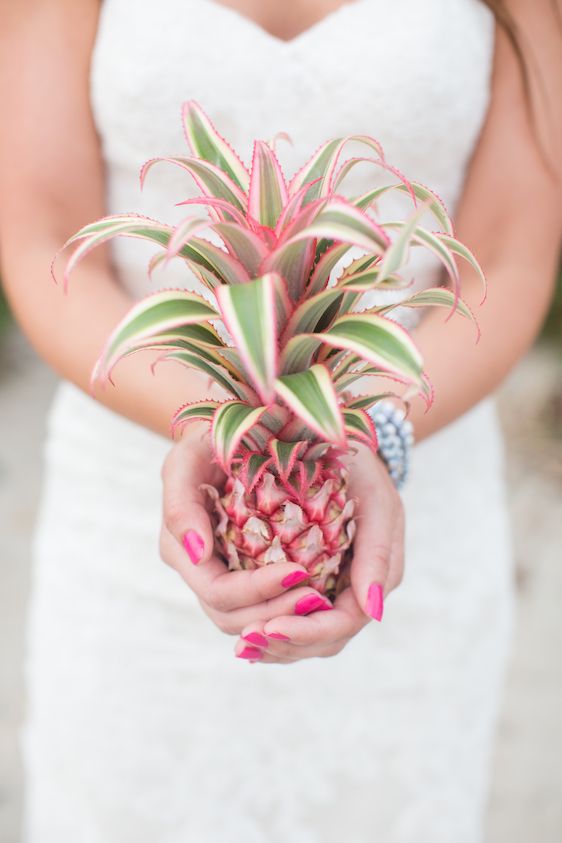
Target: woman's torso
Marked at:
413, 73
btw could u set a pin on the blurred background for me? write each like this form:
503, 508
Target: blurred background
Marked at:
526, 801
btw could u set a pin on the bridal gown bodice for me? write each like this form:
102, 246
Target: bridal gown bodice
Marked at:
142, 726
413, 74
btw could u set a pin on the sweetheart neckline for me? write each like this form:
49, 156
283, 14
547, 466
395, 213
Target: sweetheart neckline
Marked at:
309, 32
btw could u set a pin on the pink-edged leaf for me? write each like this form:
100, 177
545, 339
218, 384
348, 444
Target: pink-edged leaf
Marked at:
365, 402
348, 165
248, 311
397, 253
435, 244
217, 374
285, 454
252, 469
359, 425
204, 141
323, 163
437, 297
268, 190
292, 209
106, 228
231, 421
218, 204
320, 275
183, 233
210, 179
337, 219
157, 314
196, 411
312, 397
462, 251
212, 264
246, 246
377, 340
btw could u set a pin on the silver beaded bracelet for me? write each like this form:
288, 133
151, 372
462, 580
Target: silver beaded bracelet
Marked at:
396, 439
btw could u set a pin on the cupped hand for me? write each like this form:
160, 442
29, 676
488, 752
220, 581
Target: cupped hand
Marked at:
233, 600
376, 569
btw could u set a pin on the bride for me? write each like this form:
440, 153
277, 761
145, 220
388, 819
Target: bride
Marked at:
142, 724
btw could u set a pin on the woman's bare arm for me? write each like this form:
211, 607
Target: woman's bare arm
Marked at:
51, 184
511, 217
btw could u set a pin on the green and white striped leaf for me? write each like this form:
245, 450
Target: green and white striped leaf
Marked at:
248, 311
211, 180
285, 454
104, 229
339, 220
397, 253
231, 421
320, 275
217, 374
248, 248
204, 141
197, 411
432, 296
462, 251
158, 314
359, 426
377, 340
268, 191
312, 397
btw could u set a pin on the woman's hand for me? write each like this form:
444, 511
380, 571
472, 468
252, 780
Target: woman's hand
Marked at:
376, 569
255, 604
233, 600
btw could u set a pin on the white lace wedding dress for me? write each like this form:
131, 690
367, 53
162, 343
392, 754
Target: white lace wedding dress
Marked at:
142, 726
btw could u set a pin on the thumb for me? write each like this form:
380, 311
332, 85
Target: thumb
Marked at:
184, 503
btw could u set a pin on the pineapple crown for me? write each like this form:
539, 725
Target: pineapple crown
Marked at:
299, 339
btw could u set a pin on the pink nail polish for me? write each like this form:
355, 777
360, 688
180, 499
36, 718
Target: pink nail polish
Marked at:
194, 545
256, 638
278, 635
294, 578
311, 603
250, 653
375, 601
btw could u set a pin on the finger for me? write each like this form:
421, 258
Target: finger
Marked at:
319, 628
265, 656
184, 504
297, 601
372, 547
227, 591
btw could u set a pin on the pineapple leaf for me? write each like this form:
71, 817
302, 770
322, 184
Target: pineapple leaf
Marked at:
213, 203
285, 454
157, 314
197, 411
312, 397
320, 275
204, 141
249, 313
377, 340
248, 248
397, 253
210, 179
338, 219
268, 190
462, 251
231, 421
359, 426
216, 373
434, 296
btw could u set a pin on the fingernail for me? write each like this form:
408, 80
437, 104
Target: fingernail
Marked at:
294, 578
250, 653
256, 638
194, 545
311, 603
278, 635
375, 601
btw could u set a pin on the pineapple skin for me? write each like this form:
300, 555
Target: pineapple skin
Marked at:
273, 522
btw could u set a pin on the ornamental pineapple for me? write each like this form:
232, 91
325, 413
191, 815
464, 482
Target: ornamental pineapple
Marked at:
280, 335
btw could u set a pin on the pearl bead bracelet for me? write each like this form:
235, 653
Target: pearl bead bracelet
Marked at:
396, 438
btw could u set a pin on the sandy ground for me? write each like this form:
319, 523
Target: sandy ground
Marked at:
526, 801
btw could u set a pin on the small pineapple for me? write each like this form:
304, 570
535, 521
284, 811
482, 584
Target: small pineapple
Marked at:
280, 335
